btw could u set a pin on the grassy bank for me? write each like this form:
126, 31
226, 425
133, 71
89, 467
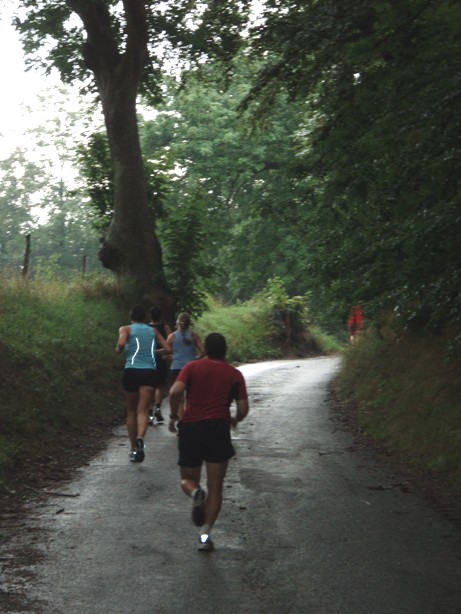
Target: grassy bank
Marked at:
59, 375
253, 333
406, 392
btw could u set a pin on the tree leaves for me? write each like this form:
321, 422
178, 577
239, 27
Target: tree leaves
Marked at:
381, 143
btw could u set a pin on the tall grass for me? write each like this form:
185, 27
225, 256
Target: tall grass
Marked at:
270, 326
60, 375
408, 393
246, 328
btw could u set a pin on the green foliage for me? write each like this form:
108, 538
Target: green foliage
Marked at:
39, 196
188, 30
250, 215
54, 311
95, 165
328, 343
378, 148
271, 325
105, 46
245, 327
183, 237
46, 269
61, 239
288, 316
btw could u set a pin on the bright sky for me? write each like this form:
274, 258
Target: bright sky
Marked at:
19, 88
20, 108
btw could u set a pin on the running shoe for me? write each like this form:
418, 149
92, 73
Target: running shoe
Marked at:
139, 450
158, 416
132, 456
205, 543
198, 507
151, 420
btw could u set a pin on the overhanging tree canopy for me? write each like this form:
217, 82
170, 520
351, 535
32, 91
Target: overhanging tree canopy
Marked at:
380, 148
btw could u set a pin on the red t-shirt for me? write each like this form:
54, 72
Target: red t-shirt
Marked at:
211, 386
355, 319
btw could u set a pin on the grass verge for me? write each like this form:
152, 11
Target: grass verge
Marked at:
60, 376
406, 392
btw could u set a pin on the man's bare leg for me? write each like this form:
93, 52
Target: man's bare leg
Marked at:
216, 472
190, 479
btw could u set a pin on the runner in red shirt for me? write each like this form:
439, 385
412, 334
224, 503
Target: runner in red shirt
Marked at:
355, 323
211, 385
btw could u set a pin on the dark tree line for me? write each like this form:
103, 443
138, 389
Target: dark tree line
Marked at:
380, 147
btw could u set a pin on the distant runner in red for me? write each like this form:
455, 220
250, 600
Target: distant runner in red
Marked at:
211, 386
355, 323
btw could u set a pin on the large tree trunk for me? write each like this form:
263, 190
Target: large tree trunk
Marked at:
130, 248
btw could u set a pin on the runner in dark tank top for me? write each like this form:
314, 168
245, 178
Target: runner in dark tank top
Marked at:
162, 358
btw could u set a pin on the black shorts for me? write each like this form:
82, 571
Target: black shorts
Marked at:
162, 371
207, 440
174, 374
133, 379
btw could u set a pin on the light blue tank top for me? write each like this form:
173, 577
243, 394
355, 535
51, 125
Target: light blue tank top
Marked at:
140, 347
182, 352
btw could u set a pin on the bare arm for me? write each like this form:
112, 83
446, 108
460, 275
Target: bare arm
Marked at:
123, 334
176, 396
199, 345
163, 342
169, 341
242, 411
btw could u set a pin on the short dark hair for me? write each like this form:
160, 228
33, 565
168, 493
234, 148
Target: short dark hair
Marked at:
138, 313
215, 346
156, 312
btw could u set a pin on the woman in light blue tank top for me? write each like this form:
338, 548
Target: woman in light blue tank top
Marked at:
140, 341
185, 345
140, 347
183, 348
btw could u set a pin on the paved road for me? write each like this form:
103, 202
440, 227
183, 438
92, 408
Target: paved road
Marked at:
308, 525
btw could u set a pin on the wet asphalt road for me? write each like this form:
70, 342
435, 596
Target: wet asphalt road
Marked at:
308, 525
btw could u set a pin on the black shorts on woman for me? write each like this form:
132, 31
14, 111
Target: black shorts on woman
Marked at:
204, 441
133, 379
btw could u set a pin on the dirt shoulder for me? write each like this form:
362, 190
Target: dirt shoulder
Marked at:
436, 487
45, 474
30, 486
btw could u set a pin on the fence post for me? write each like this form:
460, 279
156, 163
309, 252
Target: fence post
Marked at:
25, 266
